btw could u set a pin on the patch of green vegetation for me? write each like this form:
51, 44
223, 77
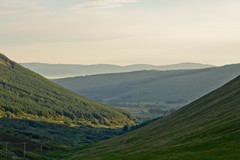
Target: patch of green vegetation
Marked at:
207, 129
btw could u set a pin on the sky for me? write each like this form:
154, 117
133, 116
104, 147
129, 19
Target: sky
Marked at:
121, 32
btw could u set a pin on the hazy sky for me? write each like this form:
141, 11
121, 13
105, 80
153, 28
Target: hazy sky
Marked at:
121, 31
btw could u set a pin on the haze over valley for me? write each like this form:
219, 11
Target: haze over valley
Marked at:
54, 71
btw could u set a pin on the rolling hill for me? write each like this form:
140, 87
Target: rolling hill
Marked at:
25, 94
207, 129
68, 70
155, 87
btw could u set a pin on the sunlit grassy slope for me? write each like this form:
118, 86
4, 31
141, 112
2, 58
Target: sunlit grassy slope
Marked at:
26, 95
207, 129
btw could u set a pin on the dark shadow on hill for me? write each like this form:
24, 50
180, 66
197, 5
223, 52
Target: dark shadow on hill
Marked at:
56, 133
42, 138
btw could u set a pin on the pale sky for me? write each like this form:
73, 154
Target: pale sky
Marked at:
121, 31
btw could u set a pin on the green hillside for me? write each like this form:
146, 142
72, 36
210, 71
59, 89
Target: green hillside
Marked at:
26, 95
207, 129
40, 113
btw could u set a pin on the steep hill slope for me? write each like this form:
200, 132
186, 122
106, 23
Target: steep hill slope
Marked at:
68, 70
26, 95
207, 129
152, 86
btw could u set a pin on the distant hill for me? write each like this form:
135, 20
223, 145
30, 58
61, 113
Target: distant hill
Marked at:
27, 95
68, 70
178, 87
208, 128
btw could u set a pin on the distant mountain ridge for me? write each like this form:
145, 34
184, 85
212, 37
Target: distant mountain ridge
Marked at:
71, 70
